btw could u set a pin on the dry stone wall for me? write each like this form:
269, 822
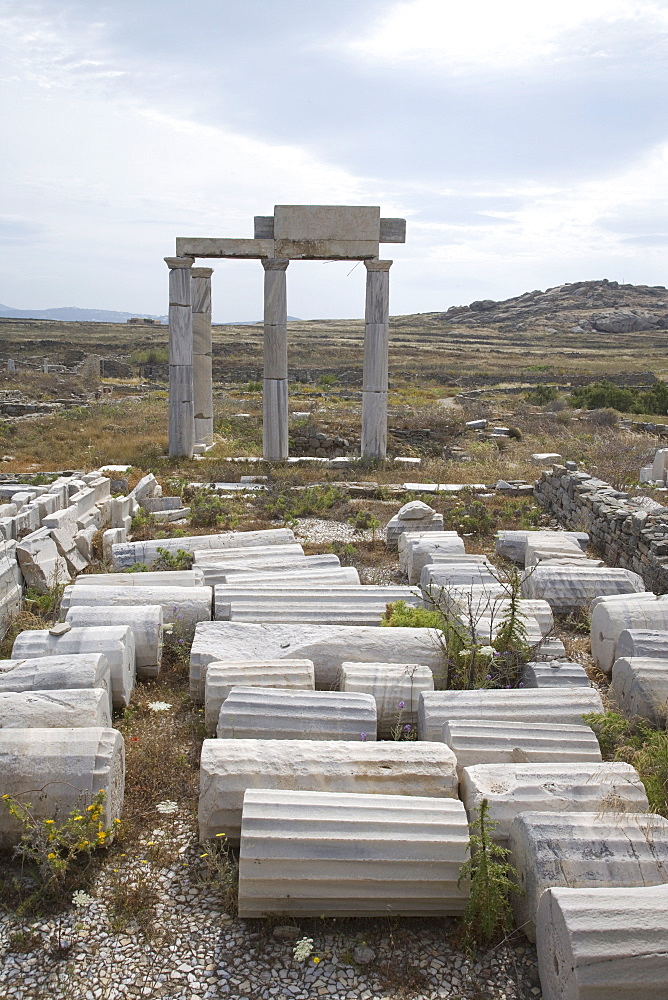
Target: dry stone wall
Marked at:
629, 533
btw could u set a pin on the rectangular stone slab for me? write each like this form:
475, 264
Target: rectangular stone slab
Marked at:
327, 222
336, 854
326, 645
584, 850
229, 767
560, 788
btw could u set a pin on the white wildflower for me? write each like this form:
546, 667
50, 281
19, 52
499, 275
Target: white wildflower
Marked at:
159, 706
487, 651
169, 627
465, 652
167, 807
81, 898
303, 949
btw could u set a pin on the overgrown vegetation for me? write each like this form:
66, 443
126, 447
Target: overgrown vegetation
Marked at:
481, 646
640, 744
599, 395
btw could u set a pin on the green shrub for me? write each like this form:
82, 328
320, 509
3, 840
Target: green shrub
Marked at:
172, 560
253, 386
398, 614
208, 510
542, 394
601, 395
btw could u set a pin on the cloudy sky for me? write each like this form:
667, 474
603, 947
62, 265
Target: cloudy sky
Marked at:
525, 142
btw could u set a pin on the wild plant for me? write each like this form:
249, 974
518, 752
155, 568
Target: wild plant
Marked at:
365, 520
492, 882
172, 560
54, 847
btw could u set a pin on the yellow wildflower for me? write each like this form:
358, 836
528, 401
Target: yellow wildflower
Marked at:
52, 855
316, 960
49, 821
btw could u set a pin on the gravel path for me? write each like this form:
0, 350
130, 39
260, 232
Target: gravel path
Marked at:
316, 530
197, 952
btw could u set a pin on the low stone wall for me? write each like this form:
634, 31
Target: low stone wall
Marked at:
628, 533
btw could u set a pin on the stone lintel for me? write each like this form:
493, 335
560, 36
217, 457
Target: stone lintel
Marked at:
391, 230
325, 249
197, 246
181, 261
378, 265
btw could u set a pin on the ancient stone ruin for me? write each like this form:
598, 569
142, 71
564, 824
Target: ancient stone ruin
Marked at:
294, 232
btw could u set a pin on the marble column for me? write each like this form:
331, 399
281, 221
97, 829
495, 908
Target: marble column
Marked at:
202, 355
181, 408
275, 387
376, 339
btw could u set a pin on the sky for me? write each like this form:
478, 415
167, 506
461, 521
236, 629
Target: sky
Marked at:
524, 141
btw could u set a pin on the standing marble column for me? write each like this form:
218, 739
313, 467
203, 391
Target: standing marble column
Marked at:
202, 354
275, 388
376, 340
181, 408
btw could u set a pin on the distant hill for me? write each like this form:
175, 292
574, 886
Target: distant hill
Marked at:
71, 314
579, 307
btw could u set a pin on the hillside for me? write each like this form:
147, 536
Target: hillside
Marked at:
589, 330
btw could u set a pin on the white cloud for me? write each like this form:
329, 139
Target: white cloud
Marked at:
491, 35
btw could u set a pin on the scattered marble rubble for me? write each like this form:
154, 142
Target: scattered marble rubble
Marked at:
272, 775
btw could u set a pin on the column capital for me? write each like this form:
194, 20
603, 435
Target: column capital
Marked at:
378, 265
202, 272
274, 264
175, 262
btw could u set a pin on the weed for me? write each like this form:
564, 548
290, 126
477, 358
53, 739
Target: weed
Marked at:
220, 870
132, 897
488, 913
19, 622
365, 520
280, 501
208, 510
172, 560
542, 394
253, 386
640, 744
46, 605
398, 614
53, 848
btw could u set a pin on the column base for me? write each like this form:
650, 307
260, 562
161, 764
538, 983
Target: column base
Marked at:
374, 424
275, 419
181, 412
